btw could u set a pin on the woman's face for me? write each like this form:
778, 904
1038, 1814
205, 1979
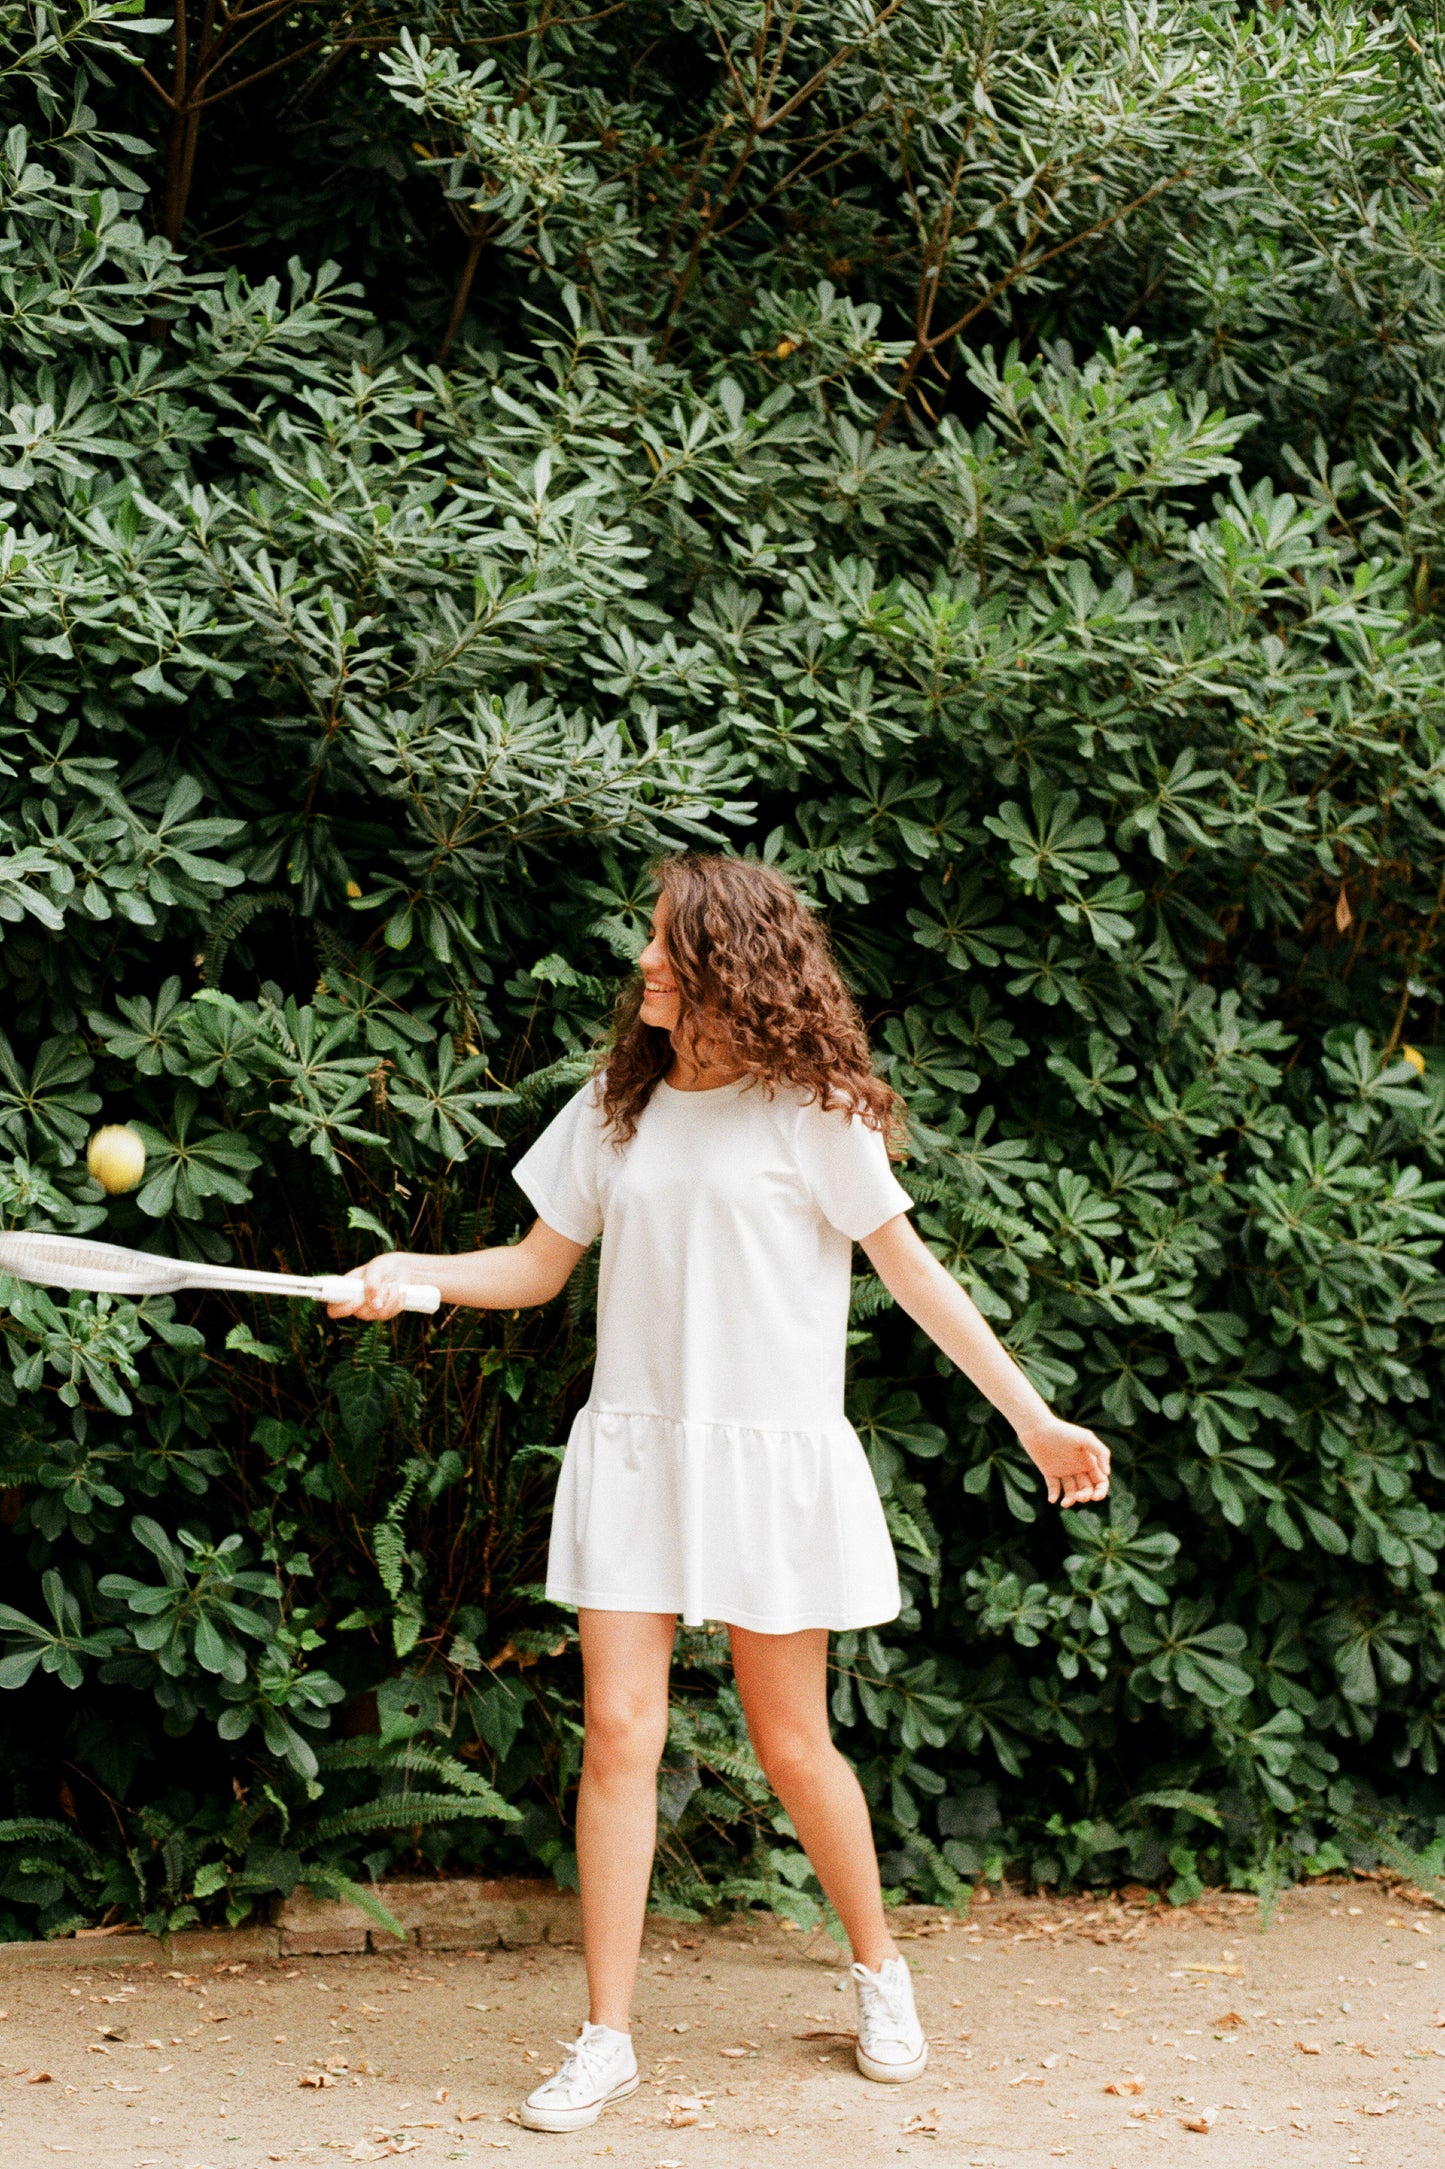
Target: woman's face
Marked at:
661, 1001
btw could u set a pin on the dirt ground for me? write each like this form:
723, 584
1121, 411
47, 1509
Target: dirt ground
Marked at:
1105, 2034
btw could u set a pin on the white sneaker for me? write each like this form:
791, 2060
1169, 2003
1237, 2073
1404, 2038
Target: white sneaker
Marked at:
891, 2044
600, 2069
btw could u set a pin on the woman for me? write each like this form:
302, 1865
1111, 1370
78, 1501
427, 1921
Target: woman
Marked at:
730, 1150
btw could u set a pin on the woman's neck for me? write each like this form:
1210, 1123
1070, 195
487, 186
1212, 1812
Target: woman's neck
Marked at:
686, 1073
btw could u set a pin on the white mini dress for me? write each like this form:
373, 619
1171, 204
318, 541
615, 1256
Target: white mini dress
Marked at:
712, 1471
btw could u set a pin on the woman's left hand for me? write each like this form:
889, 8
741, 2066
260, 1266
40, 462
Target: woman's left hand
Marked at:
1073, 1463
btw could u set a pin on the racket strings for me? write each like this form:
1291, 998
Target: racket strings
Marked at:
31, 1248
69, 1261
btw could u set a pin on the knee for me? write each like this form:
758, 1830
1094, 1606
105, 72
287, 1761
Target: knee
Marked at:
623, 1732
792, 1755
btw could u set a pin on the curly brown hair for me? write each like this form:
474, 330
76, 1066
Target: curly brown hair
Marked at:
757, 976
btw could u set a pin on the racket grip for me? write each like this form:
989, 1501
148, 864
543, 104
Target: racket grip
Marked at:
415, 1295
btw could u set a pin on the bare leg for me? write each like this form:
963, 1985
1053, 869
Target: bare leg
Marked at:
626, 1658
783, 1681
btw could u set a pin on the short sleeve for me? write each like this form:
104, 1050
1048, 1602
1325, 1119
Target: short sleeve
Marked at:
559, 1172
845, 1165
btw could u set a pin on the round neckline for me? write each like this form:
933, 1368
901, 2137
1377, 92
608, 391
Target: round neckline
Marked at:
704, 1092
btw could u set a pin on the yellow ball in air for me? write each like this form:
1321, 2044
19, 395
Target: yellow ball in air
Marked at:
116, 1157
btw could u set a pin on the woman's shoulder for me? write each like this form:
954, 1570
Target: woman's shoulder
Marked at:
810, 1108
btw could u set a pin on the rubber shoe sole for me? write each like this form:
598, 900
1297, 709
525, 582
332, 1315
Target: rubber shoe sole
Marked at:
540, 2119
891, 2074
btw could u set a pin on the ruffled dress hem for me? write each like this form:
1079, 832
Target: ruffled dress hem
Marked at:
775, 1531
755, 1623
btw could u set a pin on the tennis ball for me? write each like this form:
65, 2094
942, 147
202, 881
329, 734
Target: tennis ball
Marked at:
116, 1157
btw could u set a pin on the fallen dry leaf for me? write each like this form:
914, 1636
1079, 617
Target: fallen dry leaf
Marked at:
814, 2033
316, 2078
924, 2121
1204, 2121
1125, 2086
1229, 2018
42, 2078
1307, 2048
1212, 1969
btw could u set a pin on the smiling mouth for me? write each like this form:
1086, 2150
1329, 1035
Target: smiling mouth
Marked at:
651, 992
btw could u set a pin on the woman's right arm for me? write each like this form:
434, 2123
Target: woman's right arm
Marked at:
515, 1276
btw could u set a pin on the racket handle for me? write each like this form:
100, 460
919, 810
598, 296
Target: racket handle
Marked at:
415, 1295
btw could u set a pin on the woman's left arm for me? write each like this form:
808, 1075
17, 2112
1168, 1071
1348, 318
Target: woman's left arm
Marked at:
1073, 1463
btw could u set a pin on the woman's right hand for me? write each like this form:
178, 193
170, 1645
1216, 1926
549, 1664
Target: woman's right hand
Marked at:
379, 1285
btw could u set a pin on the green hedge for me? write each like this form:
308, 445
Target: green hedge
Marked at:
985, 460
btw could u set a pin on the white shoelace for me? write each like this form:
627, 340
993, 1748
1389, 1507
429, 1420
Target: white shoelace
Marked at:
585, 2062
885, 2015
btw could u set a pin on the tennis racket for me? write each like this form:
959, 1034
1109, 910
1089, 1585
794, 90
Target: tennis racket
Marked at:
68, 1261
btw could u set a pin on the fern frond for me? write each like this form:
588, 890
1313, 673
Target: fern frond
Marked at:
71, 1879
402, 1757
903, 1527
456, 1773
869, 1299
1415, 1867
231, 921
959, 1892
738, 1763
29, 1828
366, 1753
568, 1069
979, 1212
337, 1885
407, 1809
65, 1926
717, 1806
335, 954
